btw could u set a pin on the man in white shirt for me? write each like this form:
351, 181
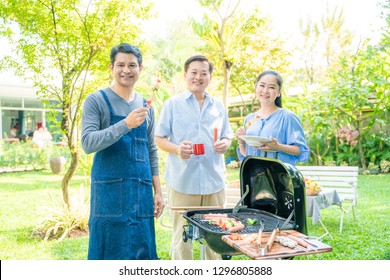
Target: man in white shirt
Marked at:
193, 117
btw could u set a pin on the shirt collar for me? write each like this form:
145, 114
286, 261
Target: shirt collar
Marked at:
188, 94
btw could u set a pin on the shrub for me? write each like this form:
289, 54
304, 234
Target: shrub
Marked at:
232, 151
371, 169
58, 220
233, 164
385, 166
25, 155
329, 162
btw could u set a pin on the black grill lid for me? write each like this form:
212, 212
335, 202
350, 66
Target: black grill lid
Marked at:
270, 185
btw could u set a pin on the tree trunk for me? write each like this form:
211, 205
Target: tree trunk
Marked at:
318, 154
361, 153
75, 158
227, 66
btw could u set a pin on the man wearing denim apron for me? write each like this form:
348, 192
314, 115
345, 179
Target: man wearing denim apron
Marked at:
125, 186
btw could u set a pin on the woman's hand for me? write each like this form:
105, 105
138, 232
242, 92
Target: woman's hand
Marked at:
269, 146
240, 131
274, 145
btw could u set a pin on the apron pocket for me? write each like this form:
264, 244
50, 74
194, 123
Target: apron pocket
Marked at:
145, 207
141, 149
108, 197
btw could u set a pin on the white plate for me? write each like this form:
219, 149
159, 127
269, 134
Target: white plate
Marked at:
255, 140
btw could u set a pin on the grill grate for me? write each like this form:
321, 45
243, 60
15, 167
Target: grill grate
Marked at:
270, 223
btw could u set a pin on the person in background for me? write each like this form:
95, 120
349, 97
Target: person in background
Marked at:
271, 121
37, 138
47, 138
42, 137
125, 186
192, 117
13, 131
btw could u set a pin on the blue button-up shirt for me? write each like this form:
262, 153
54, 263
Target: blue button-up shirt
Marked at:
181, 119
283, 125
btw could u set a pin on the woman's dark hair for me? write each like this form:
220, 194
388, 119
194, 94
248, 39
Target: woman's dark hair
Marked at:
126, 48
198, 58
279, 80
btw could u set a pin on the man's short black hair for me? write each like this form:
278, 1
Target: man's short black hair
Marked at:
125, 48
198, 58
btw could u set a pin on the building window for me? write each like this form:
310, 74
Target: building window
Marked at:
11, 102
32, 103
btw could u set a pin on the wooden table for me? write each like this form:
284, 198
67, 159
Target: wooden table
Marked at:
277, 250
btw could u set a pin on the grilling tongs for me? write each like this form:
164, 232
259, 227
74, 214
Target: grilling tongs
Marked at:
264, 250
238, 205
271, 240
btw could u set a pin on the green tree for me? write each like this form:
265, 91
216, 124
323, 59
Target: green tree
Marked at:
261, 49
236, 39
324, 41
221, 34
359, 95
168, 53
318, 125
62, 43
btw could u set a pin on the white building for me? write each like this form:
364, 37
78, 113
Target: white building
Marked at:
20, 107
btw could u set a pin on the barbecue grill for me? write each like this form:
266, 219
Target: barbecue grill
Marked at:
272, 193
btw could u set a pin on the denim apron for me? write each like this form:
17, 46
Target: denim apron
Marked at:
121, 222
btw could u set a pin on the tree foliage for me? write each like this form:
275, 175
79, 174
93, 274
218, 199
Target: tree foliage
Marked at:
168, 53
356, 96
62, 44
238, 43
324, 40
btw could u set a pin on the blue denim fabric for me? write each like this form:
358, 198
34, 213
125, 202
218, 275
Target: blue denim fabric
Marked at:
121, 222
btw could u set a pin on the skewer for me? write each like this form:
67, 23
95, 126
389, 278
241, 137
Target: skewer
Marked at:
302, 248
310, 243
149, 101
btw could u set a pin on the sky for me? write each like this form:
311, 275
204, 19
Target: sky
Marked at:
362, 17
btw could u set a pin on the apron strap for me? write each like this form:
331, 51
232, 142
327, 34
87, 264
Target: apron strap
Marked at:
107, 101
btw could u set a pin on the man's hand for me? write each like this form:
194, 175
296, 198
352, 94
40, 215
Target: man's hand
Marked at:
136, 117
158, 205
220, 146
185, 150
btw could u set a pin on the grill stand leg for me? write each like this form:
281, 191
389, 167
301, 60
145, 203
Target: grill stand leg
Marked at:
191, 233
326, 231
202, 251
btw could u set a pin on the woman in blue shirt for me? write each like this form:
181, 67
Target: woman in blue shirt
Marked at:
271, 121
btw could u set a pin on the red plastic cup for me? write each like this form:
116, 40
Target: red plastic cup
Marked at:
198, 149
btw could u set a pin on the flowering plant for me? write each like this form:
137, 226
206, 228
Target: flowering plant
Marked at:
347, 134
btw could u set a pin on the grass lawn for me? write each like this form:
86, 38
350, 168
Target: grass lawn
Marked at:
23, 194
